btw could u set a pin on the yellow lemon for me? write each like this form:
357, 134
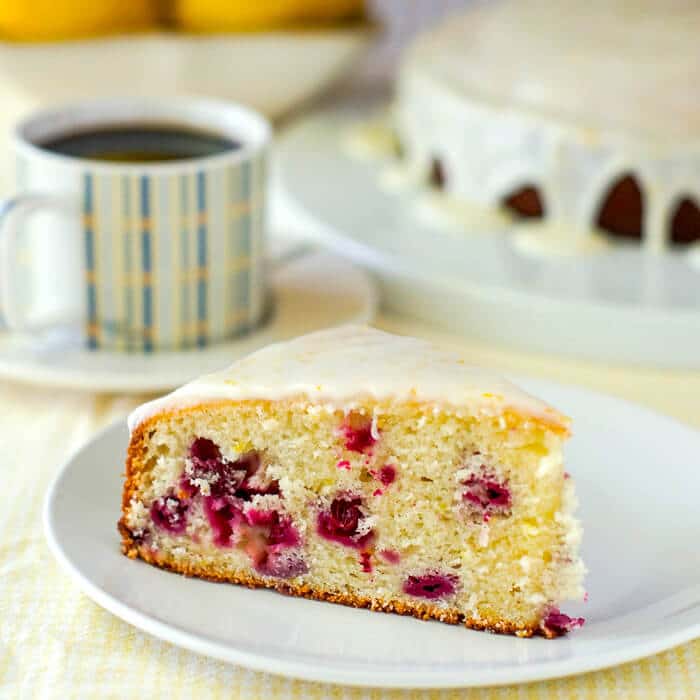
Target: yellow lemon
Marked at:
249, 15
46, 20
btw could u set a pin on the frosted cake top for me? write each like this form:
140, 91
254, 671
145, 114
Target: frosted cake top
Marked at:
349, 363
623, 64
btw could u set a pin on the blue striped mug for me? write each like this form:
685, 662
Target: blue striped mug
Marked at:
148, 256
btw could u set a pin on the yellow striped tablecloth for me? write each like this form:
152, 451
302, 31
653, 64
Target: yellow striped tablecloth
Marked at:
56, 643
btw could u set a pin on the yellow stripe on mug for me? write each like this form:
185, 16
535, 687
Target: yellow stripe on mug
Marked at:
171, 250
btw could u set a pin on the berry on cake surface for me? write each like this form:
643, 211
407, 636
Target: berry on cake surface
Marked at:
362, 468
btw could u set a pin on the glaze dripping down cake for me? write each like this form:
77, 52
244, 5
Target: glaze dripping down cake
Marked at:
490, 111
362, 468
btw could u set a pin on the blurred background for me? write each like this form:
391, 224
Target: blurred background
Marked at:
561, 220
58, 51
522, 186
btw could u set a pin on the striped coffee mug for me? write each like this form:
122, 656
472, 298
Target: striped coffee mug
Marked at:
149, 256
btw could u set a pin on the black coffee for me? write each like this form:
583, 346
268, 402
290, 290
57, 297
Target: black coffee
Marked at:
146, 143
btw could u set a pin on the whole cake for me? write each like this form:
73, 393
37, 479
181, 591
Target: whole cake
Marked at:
578, 116
362, 468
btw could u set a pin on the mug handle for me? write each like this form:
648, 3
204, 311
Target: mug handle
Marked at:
13, 213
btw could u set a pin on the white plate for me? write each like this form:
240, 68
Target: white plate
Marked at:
620, 305
310, 292
637, 477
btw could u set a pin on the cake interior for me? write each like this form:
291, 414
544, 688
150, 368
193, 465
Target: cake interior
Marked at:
403, 507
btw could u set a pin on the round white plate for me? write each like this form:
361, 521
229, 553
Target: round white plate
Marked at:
637, 480
313, 291
620, 305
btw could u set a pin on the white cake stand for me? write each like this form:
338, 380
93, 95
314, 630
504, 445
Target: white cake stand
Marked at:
619, 304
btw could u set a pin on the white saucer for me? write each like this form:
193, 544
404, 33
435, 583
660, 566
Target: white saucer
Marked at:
638, 486
619, 304
311, 292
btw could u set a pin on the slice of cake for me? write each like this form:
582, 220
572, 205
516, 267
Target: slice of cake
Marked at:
361, 468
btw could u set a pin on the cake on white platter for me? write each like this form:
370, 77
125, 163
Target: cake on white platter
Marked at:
580, 117
363, 468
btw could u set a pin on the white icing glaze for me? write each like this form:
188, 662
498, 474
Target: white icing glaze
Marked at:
399, 176
694, 256
447, 212
627, 64
376, 140
542, 239
371, 139
504, 96
343, 365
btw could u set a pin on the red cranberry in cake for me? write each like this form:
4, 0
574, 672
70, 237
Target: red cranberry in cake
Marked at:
390, 556
211, 474
169, 513
278, 530
205, 455
256, 481
386, 475
431, 585
345, 516
223, 516
557, 623
224, 487
345, 522
487, 493
264, 535
268, 540
359, 433
284, 564
141, 535
366, 562
481, 492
